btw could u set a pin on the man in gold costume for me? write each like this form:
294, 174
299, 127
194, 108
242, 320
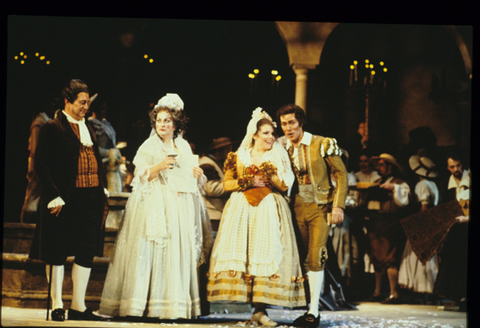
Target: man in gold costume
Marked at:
318, 203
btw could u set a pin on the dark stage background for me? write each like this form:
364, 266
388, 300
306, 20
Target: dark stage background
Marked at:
207, 63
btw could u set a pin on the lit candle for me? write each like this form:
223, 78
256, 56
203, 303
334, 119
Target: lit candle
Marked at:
355, 63
351, 74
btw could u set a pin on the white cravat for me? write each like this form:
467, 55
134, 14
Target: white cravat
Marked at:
85, 138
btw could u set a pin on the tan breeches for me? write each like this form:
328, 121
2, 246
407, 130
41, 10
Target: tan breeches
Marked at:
314, 229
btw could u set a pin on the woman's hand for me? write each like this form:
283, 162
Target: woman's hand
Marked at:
260, 181
168, 163
197, 172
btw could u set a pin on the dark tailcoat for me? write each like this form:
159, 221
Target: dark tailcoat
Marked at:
56, 165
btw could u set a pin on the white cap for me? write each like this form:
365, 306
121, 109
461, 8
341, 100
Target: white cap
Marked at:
172, 101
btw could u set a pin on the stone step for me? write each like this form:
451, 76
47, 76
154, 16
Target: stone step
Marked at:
24, 282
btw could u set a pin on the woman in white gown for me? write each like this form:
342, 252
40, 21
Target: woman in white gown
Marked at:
165, 234
413, 274
255, 256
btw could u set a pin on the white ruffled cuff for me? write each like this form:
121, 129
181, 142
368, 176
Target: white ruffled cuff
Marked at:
56, 202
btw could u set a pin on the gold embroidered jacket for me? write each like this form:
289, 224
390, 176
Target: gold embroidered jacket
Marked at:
319, 167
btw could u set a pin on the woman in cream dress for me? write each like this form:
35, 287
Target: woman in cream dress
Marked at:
165, 234
413, 274
255, 257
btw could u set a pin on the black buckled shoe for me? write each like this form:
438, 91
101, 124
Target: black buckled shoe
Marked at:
307, 320
392, 300
58, 315
87, 315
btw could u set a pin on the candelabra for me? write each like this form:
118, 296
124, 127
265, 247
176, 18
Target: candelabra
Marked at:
254, 80
371, 80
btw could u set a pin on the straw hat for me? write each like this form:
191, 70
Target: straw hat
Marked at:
423, 166
386, 157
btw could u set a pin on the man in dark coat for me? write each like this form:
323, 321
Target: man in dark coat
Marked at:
73, 203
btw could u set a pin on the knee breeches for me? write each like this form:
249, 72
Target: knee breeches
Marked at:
76, 231
314, 229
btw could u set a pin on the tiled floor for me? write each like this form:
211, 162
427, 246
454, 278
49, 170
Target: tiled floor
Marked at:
366, 315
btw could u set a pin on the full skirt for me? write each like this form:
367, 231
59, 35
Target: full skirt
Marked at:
255, 255
157, 278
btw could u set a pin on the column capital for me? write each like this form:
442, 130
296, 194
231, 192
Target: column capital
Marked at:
306, 67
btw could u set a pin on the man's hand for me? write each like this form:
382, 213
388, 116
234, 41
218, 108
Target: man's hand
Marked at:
337, 215
56, 210
387, 186
462, 219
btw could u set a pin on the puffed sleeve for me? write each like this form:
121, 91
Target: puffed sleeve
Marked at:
331, 152
230, 180
423, 194
401, 194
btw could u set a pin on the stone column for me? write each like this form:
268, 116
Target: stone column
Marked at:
301, 80
304, 42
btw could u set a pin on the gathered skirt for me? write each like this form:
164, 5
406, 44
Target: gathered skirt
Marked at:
157, 278
255, 255
414, 275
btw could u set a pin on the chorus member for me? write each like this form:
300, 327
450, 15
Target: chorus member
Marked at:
30, 208
106, 134
212, 164
385, 207
165, 234
413, 274
367, 172
366, 175
73, 205
317, 204
255, 256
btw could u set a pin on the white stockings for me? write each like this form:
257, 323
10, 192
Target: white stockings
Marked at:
58, 272
80, 276
315, 282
